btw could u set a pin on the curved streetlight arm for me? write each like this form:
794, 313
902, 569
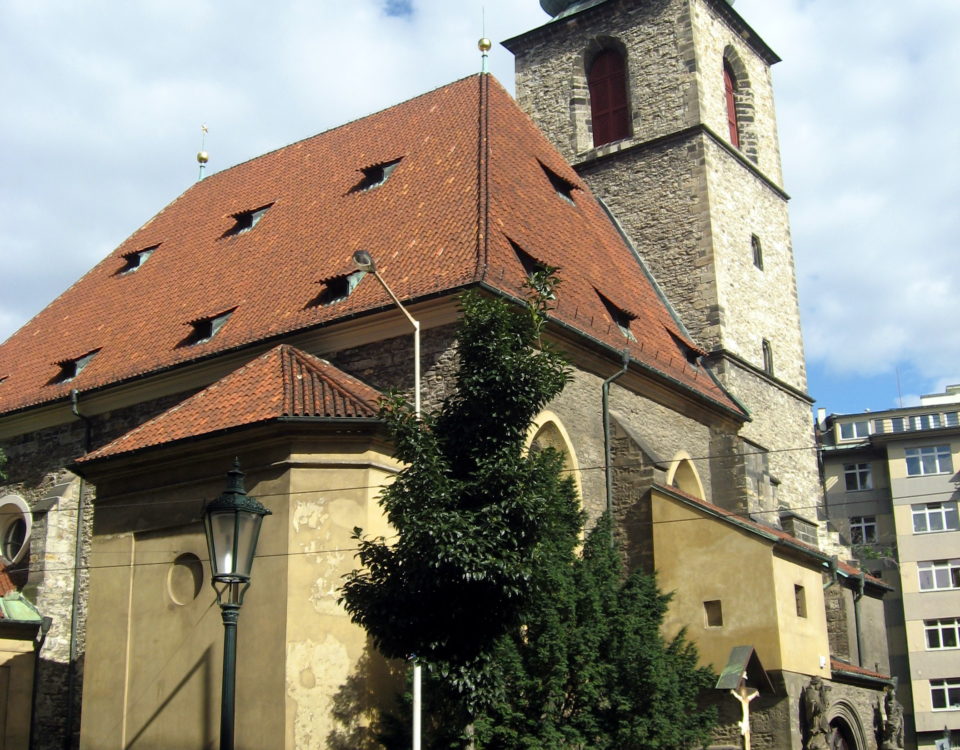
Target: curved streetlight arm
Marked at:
364, 262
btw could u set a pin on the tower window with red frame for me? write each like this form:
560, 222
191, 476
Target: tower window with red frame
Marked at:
730, 92
607, 81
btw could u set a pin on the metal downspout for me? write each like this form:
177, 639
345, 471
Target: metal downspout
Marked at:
77, 551
45, 624
607, 467
857, 596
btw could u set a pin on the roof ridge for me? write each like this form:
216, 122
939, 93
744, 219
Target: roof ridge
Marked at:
483, 176
332, 129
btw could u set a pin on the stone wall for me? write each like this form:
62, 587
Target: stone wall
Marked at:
757, 304
781, 423
551, 67
691, 203
715, 39
778, 721
36, 471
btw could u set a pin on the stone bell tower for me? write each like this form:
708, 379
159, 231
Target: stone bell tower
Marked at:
665, 108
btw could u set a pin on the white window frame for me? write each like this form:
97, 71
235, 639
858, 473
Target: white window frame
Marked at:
861, 474
948, 625
949, 686
927, 460
858, 430
940, 575
944, 512
926, 421
867, 528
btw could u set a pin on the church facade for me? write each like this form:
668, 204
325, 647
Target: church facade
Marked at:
641, 160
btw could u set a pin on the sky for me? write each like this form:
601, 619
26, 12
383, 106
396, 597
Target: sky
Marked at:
103, 104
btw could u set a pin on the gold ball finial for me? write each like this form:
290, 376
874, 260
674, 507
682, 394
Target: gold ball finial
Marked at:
203, 157
484, 44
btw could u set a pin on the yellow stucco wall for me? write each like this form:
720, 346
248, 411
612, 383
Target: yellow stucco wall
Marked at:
154, 643
16, 685
701, 558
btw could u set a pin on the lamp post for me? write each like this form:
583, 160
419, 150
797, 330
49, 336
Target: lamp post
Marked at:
232, 525
364, 262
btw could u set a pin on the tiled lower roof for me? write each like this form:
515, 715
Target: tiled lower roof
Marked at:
841, 666
282, 382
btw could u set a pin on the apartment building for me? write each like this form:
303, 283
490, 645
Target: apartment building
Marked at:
891, 486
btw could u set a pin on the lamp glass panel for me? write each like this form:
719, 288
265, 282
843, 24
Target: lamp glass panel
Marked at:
223, 535
248, 529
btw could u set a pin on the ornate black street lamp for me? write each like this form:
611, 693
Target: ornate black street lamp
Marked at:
232, 523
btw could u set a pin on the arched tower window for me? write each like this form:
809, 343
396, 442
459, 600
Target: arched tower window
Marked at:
609, 110
767, 357
730, 91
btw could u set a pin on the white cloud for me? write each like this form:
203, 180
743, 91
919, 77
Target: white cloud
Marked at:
103, 103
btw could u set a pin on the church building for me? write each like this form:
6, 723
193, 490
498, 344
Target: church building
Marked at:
640, 158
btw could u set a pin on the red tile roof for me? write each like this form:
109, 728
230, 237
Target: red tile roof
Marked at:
283, 382
6, 583
470, 180
841, 666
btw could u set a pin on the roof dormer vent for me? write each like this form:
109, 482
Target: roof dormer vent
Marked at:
563, 187
375, 175
70, 368
336, 289
205, 329
246, 220
619, 316
133, 261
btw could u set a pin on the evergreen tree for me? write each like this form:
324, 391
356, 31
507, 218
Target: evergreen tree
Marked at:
529, 641
471, 509
590, 668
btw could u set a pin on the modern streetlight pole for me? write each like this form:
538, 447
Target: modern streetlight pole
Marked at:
232, 525
364, 262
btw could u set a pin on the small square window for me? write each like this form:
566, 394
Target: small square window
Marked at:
943, 633
247, 220
929, 459
375, 175
939, 575
854, 430
713, 613
800, 597
863, 529
945, 694
857, 477
930, 517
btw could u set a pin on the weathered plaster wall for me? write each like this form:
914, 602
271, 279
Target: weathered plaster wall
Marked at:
16, 682
155, 643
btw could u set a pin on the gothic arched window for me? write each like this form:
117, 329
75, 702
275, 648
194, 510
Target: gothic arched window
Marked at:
607, 81
730, 91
